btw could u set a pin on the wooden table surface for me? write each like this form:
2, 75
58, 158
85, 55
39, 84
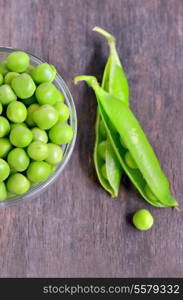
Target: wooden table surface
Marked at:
75, 229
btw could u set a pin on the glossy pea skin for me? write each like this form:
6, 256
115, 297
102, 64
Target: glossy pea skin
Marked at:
18, 61
38, 150
29, 69
3, 191
60, 96
30, 110
45, 117
23, 86
18, 159
46, 93
39, 135
143, 220
102, 149
130, 161
13, 125
4, 126
55, 154
4, 170
61, 133
16, 112
20, 136
3, 67
10, 76
1, 79
18, 184
1, 108
7, 95
5, 147
63, 111
43, 73
38, 171
53, 169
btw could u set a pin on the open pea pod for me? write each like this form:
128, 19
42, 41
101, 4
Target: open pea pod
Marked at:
106, 163
149, 178
108, 168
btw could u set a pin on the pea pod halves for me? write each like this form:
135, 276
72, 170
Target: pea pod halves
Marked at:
129, 129
115, 82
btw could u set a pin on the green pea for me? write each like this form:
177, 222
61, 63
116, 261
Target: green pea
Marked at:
23, 86
104, 171
18, 61
3, 191
37, 150
61, 133
1, 108
53, 169
55, 154
4, 126
16, 112
46, 93
102, 149
18, 159
7, 95
38, 171
18, 184
43, 73
10, 76
130, 161
63, 111
29, 69
102, 130
150, 194
13, 125
45, 117
60, 96
1, 79
39, 135
10, 195
143, 220
5, 147
3, 67
30, 110
4, 169
20, 136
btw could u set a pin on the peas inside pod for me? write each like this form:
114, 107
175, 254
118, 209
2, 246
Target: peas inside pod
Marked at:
33, 124
118, 128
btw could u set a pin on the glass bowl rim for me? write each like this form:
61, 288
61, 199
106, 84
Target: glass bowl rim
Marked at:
35, 191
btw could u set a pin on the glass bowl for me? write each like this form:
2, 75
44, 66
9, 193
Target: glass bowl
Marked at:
67, 149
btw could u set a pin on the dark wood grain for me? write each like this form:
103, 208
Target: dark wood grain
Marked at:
74, 228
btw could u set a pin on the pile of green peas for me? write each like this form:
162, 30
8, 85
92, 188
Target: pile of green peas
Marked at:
33, 124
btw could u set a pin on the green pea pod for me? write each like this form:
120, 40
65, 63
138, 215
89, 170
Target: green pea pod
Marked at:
114, 79
110, 182
115, 82
149, 172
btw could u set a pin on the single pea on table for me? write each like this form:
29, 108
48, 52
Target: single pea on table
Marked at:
32, 113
